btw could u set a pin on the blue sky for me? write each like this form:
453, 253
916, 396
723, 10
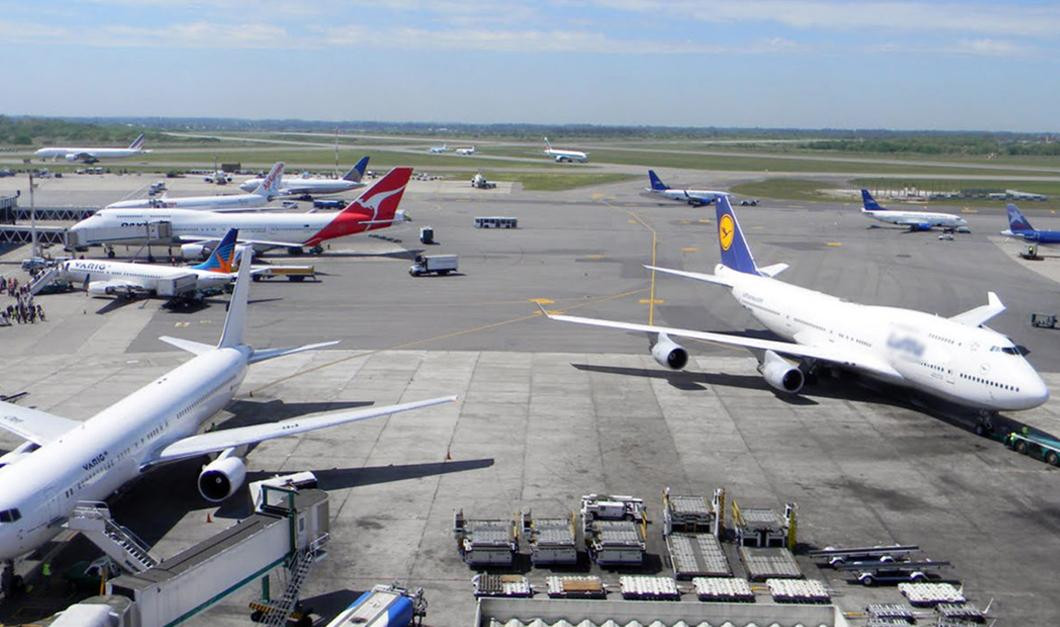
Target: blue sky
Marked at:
774, 63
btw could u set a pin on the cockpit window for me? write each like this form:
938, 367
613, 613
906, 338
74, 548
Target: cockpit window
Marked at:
1010, 350
10, 515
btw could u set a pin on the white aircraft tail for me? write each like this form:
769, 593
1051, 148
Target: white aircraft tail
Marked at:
270, 185
548, 145
137, 143
236, 320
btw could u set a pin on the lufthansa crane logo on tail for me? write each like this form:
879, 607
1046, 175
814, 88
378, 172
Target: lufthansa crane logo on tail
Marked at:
726, 230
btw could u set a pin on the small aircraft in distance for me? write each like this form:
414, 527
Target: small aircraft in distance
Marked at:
562, 155
1020, 228
914, 220
437, 150
470, 150
92, 155
694, 197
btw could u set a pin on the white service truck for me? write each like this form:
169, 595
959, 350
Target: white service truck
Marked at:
433, 264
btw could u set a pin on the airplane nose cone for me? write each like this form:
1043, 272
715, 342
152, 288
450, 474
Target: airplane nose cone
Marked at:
1035, 393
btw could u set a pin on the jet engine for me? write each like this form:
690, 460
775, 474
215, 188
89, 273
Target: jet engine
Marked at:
99, 288
781, 374
194, 251
221, 478
669, 353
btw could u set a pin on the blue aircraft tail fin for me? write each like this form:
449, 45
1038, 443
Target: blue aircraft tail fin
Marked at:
869, 202
1016, 221
223, 257
656, 182
357, 171
734, 251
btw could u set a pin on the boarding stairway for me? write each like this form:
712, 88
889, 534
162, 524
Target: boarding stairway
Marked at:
44, 279
93, 520
281, 609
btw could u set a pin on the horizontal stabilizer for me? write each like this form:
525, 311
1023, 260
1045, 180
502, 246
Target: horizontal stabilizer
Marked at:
222, 439
708, 278
263, 354
773, 270
983, 313
195, 348
34, 425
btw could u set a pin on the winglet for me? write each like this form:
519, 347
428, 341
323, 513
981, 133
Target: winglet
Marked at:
236, 320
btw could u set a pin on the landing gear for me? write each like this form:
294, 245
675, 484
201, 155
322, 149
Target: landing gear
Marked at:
317, 250
10, 584
294, 250
110, 252
984, 425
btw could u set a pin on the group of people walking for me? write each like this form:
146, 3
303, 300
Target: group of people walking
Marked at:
23, 310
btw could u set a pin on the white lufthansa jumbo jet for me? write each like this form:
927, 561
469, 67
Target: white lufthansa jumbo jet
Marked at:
128, 280
92, 155
563, 155
955, 358
311, 185
268, 189
913, 220
694, 197
65, 461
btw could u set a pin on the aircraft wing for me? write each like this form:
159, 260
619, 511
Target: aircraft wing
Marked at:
983, 313
215, 441
118, 285
34, 425
839, 356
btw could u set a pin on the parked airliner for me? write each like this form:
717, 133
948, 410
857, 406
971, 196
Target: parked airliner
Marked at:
313, 185
92, 155
562, 154
914, 220
468, 151
115, 278
65, 461
437, 150
199, 231
955, 358
268, 189
1020, 228
694, 197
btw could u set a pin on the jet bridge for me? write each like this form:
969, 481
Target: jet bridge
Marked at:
288, 530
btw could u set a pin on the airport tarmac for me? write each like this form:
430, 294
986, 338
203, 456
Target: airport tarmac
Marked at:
550, 411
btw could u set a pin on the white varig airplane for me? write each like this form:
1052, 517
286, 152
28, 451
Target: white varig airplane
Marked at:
694, 197
563, 155
312, 185
955, 358
92, 155
913, 220
268, 189
65, 461
198, 231
128, 280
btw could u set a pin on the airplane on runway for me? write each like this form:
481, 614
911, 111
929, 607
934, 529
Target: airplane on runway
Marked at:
198, 231
92, 155
268, 189
1020, 228
437, 150
562, 154
694, 197
128, 280
466, 151
956, 358
309, 185
915, 220
64, 462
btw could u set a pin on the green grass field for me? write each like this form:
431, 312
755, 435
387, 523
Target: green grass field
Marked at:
546, 181
784, 189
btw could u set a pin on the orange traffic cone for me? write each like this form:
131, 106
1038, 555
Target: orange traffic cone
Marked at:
209, 518
448, 455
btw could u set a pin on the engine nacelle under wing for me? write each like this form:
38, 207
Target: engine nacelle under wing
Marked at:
194, 251
781, 374
221, 478
669, 353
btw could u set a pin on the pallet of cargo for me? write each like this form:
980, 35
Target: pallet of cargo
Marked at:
768, 563
489, 542
644, 588
576, 587
723, 589
959, 613
697, 555
798, 591
930, 594
692, 514
616, 543
552, 540
489, 585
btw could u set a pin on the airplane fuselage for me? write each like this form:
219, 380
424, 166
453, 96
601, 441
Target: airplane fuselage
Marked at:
298, 186
972, 366
229, 201
701, 196
917, 219
110, 448
87, 154
148, 276
1036, 236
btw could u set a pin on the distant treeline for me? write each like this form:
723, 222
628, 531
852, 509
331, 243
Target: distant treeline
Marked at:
985, 144
26, 131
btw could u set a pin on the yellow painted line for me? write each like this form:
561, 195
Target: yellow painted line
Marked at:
651, 289
684, 222
181, 325
594, 257
690, 249
632, 221
205, 322
542, 301
651, 301
703, 221
969, 210
834, 244
598, 195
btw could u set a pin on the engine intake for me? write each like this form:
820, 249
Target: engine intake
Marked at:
781, 374
194, 251
221, 478
669, 353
